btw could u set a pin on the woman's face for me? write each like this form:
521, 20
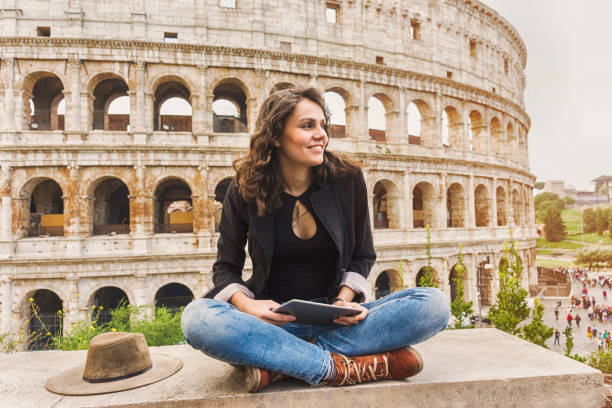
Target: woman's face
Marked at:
304, 138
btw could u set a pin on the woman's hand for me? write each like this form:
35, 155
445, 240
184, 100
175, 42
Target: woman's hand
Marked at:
350, 320
261, 309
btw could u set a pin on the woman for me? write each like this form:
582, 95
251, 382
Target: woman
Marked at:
304, 213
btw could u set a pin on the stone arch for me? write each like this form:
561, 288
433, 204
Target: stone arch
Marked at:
455, 206
43, 91
172, 206
516, 207
230, 91
104, 88
50, 311
451, 127
477, 132
110, 206
497, 137
42, 207
500, 199
388, 281
421, 273
420, 130
511, 136
482, 206
386, 204
379, 107
173, 296
104, 300
169, 87
423, 205
220, 192
336, 105
452, 276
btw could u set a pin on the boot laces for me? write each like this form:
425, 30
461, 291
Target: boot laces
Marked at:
360, 371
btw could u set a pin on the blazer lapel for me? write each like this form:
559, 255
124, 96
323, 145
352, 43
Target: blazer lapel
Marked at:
263, 228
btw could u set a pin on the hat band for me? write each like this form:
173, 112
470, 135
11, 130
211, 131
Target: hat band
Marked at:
121, 377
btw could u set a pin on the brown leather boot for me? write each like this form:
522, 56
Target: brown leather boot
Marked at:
392, 365
259, 378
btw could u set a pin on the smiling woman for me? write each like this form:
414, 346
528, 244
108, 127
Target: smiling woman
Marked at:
304, 212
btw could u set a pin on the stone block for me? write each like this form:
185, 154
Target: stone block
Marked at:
463, 368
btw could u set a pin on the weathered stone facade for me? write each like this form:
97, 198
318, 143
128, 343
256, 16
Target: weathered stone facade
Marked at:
86, 194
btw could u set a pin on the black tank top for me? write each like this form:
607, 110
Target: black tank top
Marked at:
301, 268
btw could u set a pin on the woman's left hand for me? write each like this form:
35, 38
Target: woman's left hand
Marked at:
350, 320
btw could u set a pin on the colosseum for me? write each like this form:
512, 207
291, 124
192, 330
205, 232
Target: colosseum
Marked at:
120, 121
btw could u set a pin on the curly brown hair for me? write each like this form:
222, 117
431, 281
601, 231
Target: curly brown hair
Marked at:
258, 174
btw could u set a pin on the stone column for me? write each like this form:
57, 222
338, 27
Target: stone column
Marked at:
74, 132
202, 126
148, 112
494, 203
19, 113
441, 202
9, 95
6, 213
471, 221
436, 134
140, 293
137, 115
409, 220
7, 304
361, 122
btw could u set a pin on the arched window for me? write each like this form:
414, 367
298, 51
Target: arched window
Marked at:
337, 110
45, 320
172, 107
414, 121
484, 276
173, 296
230, 108
455, 206
451, 127
172, 207
481, 204
381, 216
41, 110
105, 300
422, 205
476, 129
497, 137
111, 208
46, 210
421, 275
107, 92
387, 282
377, 122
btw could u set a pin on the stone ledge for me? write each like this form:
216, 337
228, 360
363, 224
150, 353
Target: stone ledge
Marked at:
463, 368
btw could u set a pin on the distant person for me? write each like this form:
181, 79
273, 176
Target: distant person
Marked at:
557, 337
557, 314
594, 333
577, 319
589, 335
600, 342
605, 295
569, 319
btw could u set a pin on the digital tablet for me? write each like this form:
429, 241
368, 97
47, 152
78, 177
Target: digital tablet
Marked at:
317, 314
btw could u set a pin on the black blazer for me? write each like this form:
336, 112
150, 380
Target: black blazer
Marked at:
342, 207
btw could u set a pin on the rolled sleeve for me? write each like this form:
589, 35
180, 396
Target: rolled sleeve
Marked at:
358, 284
227, 292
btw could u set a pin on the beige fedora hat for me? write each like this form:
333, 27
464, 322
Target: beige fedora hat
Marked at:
116, 361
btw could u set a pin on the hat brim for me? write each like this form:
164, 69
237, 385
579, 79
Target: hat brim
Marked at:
71, 382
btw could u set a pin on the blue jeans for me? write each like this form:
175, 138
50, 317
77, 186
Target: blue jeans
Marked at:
402, 318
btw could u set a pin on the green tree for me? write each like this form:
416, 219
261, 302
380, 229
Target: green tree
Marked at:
538, 185
569, 341
554, 229
510, 308
460, 309
536, 331
569, 201
601, 217
427, 279
589, 220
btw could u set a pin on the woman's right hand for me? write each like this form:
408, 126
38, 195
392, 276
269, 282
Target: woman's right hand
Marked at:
262, 309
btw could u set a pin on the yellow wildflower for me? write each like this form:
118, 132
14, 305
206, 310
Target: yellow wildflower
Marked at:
48, 333
31, 300
100, 307
91, 328
113, 329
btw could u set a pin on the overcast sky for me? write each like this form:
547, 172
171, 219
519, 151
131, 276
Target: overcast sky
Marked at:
569, 86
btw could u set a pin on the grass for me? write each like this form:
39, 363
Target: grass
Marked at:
592, 238
543, 243
553, 263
